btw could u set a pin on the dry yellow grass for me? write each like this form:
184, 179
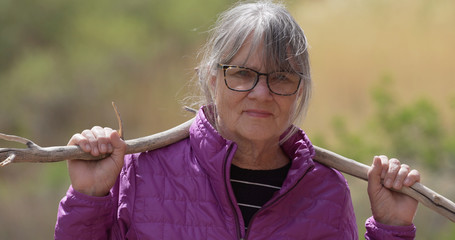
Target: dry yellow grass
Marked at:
355, 43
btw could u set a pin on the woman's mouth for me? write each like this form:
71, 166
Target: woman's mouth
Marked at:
258, 113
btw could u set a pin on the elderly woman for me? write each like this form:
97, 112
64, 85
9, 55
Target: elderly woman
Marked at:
245, 172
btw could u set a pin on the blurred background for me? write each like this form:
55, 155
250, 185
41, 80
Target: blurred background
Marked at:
383, 72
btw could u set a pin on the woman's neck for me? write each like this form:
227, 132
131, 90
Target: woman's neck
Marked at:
259, 156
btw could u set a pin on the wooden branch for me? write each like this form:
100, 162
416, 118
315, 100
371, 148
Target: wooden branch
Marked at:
35, 153
119, 120
61, 153
418, 191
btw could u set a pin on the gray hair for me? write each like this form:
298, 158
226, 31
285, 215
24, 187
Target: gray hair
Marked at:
285, 46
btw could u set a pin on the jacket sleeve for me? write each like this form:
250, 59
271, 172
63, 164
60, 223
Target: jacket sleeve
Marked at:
378, 231
85, 217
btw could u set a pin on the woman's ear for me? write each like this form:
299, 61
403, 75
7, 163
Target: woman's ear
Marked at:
212, 83
300, 92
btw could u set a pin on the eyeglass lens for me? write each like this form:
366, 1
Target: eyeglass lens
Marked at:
245, 79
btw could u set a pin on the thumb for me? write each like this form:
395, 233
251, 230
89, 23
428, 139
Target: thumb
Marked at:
374, 175
118, 144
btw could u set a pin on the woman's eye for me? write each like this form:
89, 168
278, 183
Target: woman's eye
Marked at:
280, 77
243, 73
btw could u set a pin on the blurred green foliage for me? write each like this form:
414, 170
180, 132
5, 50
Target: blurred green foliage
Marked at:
416, 135
63, 62
59, 58
413, 132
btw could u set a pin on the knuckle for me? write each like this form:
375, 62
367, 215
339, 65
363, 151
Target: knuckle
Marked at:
76, 139
405, 166
404, 171
77, 136
394, 161
86, 132
96, 128
414, 172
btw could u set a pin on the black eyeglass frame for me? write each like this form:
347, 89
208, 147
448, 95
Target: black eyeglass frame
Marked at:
258, 74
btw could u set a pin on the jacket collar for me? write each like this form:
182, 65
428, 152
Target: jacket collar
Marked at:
215, 153
209, 147
301, 152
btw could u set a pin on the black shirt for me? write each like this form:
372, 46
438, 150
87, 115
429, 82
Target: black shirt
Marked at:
253, 188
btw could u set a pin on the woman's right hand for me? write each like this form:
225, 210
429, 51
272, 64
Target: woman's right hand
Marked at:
96, 178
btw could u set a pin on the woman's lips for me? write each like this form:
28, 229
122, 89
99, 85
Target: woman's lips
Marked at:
258, 113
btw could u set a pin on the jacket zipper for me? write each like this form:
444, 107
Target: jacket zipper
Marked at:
236, 216
272, 203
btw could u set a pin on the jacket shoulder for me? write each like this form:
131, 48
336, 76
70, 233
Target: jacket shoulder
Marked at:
328, 177
157, 158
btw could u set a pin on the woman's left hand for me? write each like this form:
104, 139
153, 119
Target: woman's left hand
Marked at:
390, 207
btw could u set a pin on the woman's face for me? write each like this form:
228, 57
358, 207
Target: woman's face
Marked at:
256, 115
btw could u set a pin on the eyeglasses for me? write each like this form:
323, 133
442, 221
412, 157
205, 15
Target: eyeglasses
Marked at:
243, 79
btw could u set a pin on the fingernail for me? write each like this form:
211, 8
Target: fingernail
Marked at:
87, 147
377, 161
407, 182
103, 148
388, 183
110, 148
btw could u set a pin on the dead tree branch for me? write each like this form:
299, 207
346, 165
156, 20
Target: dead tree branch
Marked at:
35, 153
418, 191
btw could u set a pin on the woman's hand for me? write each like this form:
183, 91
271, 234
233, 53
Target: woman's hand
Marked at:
96, 178
390, 207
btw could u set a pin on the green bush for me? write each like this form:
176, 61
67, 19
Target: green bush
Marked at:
414, 133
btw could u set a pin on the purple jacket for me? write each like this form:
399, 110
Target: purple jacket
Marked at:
183, 191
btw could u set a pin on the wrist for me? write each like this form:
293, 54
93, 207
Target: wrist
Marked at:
393, 221
91, 191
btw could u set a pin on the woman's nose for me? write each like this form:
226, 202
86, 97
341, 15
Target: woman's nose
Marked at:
261, 90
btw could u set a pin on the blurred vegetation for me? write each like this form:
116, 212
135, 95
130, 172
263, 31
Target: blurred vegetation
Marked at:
414, 132
63, 62
63, 59
416, 135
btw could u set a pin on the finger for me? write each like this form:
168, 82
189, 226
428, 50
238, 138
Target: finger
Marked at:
374, 175
413, 177
102, 139
401, 176
119, 147
108, 132
81, 141
93, 142
384, 165
393, 168
118, 144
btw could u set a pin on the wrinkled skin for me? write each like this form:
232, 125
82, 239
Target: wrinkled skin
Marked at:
390, 207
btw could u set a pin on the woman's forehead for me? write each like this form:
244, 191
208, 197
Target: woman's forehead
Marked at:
249, 55
261, 56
